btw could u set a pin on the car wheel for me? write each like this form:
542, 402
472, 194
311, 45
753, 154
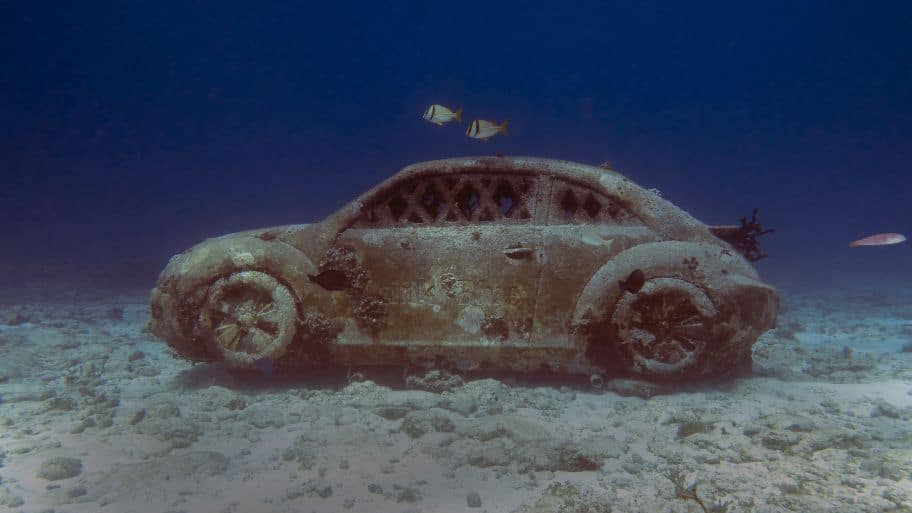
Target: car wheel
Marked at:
247, 316
665, 328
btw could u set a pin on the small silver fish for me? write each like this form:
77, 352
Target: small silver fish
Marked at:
880, 239
484, 129
593, 236
438, 114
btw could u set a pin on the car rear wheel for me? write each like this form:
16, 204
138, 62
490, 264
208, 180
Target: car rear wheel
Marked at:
248, 316
665, 328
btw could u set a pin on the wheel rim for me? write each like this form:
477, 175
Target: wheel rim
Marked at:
665, 327
248, 316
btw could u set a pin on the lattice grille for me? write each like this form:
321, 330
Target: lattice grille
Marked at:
580, 205
459, 199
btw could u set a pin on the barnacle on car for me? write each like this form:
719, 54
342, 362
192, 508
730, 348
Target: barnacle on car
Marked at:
479, 263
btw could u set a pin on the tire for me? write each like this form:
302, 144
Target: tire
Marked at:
665, 329
247, 316
201, 289
685, 322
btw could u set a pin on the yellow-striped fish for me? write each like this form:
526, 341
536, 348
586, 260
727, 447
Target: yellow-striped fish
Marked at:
484, 129
439, 114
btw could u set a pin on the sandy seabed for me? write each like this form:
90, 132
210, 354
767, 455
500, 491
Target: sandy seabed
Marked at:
96, 415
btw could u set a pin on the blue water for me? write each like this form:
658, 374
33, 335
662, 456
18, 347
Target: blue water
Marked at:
133, 130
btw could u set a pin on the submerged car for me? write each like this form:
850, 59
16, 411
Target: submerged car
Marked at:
473, 265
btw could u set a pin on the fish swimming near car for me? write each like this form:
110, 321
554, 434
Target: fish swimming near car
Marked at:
438, 114
484, 129
880, 239
597, 236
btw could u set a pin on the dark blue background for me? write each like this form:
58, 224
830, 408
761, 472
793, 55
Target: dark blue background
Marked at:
132, 130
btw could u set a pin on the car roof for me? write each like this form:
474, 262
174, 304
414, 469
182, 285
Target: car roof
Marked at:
659, 214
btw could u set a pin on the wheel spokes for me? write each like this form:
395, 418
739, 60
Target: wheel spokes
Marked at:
259, 340
247, 315
685, 345
268, 318
228, 335
665, 329
693, 330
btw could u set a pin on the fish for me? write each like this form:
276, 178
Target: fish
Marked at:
484, 129
634, 282
332, 280
595, 237
880, 239
438, 114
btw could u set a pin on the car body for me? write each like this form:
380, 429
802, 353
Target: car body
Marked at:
475, 264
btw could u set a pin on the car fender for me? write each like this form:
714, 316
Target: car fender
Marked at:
184, 284
713, 272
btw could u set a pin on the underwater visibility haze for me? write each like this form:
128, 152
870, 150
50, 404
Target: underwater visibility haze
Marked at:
131, 131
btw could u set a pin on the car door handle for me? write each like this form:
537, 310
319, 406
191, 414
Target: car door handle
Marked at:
518, 253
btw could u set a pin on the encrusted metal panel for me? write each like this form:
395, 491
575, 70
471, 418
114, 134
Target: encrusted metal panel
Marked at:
573, 254
446, 286
469, 263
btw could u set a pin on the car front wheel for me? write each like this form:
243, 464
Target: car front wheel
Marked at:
247, 316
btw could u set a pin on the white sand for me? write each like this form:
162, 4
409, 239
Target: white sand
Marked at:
818, 428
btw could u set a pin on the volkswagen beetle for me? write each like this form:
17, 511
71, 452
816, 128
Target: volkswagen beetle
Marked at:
475, 264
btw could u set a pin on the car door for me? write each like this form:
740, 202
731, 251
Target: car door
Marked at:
585, 228
454, 260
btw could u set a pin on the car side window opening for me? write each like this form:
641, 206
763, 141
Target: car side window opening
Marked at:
463, 199
578, 204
